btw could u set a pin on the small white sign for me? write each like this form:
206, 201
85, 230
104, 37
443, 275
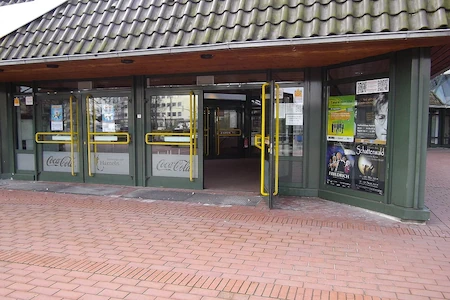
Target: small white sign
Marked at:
294, 119
372, 86
29, 100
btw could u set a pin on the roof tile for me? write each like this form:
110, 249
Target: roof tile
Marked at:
91, 26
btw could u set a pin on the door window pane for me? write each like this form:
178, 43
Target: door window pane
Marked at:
108, 135
291, 121
173, 127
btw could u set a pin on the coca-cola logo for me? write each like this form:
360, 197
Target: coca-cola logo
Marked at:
181, 165
64, 162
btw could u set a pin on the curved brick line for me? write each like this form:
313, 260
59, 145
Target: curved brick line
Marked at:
227, 287
158, 208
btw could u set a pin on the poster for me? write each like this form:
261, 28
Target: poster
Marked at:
56, 118
371, 118
372, 111
341, 118
298, 95
370, 170
108, 118
340, 164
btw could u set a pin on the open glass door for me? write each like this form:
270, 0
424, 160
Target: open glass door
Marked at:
172, 145
224, 124
57, 137
268, 141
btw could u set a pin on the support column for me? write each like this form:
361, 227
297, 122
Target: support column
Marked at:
408, 134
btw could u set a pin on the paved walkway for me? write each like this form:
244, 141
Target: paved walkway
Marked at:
69, 246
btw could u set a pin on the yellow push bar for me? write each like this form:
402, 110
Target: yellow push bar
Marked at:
261, 145
40, 136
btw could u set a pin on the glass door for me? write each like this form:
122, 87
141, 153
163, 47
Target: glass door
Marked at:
224, 126
57, 137
107, 138
171, 136
84, 138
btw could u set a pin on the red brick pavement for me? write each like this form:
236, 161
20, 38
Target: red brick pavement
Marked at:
55, 246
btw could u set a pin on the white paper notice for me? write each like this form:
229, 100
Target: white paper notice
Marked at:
372, 86
294, 119
29, 100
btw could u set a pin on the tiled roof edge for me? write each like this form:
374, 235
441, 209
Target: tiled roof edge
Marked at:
365, 37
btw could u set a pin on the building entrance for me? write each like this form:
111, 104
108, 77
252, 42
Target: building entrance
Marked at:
230, 163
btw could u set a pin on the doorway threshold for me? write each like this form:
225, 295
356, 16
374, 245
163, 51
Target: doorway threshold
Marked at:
204, 197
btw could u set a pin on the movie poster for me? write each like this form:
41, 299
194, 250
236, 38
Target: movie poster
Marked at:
370, 168
371, 112
341, 118
340, 164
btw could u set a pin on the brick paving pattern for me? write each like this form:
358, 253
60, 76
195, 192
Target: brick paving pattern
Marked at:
61, 246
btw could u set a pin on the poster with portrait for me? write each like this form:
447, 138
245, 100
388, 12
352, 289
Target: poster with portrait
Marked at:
371, 111
341, 118
340, 164
370, 168
56, 120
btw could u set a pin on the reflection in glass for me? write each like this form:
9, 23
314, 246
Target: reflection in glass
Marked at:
108, 127
291, 122
172, 122
56, 118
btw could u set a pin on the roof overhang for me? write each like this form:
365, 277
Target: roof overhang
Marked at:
259, 55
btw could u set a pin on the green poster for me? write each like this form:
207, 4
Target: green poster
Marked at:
341, 118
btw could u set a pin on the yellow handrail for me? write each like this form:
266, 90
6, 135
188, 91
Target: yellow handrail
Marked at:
206, 132
261, 145
72, 155
191, 144
88, 128
217, 131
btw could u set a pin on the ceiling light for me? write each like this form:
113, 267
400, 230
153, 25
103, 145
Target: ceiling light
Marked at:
52, 66
127, 61
206, 56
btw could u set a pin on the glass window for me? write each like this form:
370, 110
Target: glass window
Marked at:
25, 132
25, 129
357, 127
291, 121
